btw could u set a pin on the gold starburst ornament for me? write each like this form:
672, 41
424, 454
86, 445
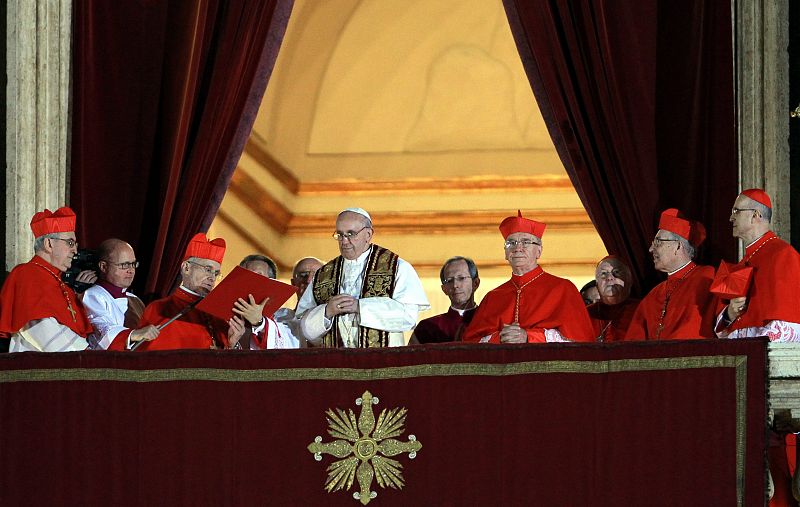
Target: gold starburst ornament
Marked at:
364, 447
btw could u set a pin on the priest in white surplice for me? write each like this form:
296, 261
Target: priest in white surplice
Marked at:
366, 297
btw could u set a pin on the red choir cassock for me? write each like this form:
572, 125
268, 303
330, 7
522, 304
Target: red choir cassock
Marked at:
536, 301
546, 302
195, 330
689, 313
35, 291
773, 295
446, 327
775, 288
681, 307
610, 322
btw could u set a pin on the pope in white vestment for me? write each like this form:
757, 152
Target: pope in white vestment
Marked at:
367, 297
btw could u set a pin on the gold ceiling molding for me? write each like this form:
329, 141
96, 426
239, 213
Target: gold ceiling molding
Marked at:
250, 192
255, 243
476, 184
275, 168
442, 222
545, 183
283, 221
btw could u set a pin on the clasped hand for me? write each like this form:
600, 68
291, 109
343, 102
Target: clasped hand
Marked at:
512, 333
341, 303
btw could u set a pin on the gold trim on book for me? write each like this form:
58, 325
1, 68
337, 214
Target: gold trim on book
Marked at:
739, 363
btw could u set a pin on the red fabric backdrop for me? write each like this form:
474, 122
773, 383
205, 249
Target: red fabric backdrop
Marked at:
639, 100
628, 424
165, 95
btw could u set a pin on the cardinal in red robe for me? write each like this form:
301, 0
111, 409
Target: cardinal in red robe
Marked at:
38, 311
681, 307
194, 329
771, 307
534, 306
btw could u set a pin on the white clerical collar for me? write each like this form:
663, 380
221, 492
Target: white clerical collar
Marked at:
360, 259
755, 241
193, 293
680, 268
461, 312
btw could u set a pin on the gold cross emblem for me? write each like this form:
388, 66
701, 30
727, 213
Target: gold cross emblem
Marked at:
364, 447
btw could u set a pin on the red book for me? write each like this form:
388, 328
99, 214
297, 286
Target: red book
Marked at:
238, 284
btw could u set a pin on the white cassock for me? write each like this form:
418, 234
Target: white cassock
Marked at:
279, 336
107, 315
289, 327
394, 314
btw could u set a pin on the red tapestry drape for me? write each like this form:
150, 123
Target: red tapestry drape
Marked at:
639, 101
631, 424
165, 95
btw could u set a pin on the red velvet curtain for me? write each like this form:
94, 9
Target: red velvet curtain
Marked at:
165, 95
638, 98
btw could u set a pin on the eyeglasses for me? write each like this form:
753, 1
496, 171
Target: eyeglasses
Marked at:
303, 274
208, 269
735, 211
123, 265
610, 274
660, 241
338, 236
459, 279
512, 243
70, 242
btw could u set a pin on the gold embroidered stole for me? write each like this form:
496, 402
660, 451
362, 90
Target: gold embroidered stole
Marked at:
379, 278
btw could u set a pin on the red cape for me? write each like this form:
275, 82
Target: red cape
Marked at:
690, 312
549, 302
34, 291
774, 293
192, 331
615, 319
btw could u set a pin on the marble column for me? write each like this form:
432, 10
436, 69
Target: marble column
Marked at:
37, 117
762, 101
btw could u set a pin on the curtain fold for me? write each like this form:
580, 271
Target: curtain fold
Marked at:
165, 95
638, 99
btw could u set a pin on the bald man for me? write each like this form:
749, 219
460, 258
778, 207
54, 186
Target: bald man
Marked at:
302, 274
112, 309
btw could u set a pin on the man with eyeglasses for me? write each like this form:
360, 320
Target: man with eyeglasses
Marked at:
459, 276
534, 306
612, 313
200, 270
772, 306
681, 307
113, 310
365, 297
38, 311
302, 275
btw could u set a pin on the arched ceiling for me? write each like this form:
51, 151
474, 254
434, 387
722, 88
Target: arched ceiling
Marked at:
418, 111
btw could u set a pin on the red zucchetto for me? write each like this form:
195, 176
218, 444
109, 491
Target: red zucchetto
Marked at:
759, 196
50, 222
520, 224
673, 220
201, 247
